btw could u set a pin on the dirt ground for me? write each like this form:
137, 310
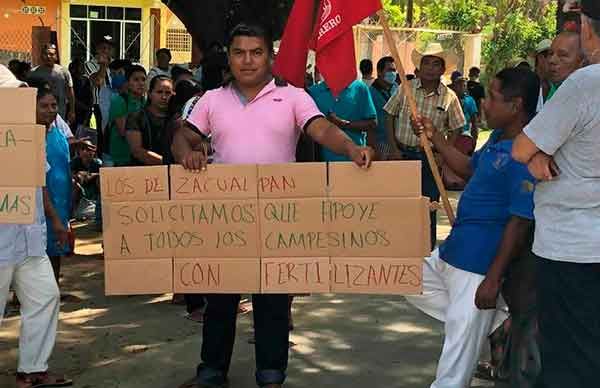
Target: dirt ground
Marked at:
145, 341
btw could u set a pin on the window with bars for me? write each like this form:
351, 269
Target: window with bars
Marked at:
178, 39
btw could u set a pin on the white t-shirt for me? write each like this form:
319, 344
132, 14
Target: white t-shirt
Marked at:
567, 209
63, 127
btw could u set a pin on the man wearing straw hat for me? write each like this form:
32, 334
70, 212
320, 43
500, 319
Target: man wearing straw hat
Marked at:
434, 100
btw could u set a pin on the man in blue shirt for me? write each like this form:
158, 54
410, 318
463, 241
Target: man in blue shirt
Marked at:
352, 111
382, 90
468, 104
461, 280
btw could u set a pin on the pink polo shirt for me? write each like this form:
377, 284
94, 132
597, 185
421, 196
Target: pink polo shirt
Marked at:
264, 130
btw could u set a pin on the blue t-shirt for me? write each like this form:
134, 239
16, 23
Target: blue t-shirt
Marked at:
380, 98
469, 107
353, 104
500, 188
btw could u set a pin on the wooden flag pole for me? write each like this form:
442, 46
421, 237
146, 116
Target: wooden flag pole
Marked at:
389, 37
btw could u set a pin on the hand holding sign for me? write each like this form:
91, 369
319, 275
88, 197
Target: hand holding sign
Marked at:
362, 156
196, 160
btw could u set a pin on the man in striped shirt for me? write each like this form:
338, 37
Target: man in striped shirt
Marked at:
435, 101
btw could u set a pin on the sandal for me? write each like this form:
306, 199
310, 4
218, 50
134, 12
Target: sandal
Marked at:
41, 380
497, 368
244, 307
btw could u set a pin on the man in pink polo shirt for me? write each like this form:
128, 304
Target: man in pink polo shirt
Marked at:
255, 119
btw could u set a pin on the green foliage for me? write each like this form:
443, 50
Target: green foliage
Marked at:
396, 15
460, 15
515, 36
511, 28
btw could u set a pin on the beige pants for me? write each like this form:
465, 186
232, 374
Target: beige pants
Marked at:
34, 283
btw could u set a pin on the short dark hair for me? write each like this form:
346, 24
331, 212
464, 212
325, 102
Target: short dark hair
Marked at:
178, 71
76, 62
520, 82
118, 64
43, 87
134, 69
184, 91
474, 71
366, 66
156, 80
108, 40
254, 31
49, 46
382, 62
164, 50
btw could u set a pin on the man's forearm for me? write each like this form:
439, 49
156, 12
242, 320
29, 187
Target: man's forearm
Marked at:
513, 242
524, 149
331, 137
49, 210
180, 146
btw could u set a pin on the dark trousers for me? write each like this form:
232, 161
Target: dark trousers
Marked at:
194, 302
55, 261
271, 331
569, 318
428, 188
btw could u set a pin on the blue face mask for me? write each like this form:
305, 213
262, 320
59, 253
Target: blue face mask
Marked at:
390, 77
118, 80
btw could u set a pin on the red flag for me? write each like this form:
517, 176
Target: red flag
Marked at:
333, 39
290, 63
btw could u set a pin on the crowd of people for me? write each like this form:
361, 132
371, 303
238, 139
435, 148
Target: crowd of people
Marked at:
517, 269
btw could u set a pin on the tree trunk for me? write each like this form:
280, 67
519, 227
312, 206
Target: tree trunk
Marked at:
410, 13
560, 16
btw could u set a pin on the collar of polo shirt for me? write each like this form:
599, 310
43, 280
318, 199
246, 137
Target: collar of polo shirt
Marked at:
438, 91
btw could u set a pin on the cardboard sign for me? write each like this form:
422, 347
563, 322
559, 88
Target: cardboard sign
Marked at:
218, 181
427, 231
383, 179
222, 276
138, 276
377, 276
119, 184
227, 228
375, 227
293, 228
22, 155
295, 275
139, 229
17, 205
298, 180
266, 228
17, 105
